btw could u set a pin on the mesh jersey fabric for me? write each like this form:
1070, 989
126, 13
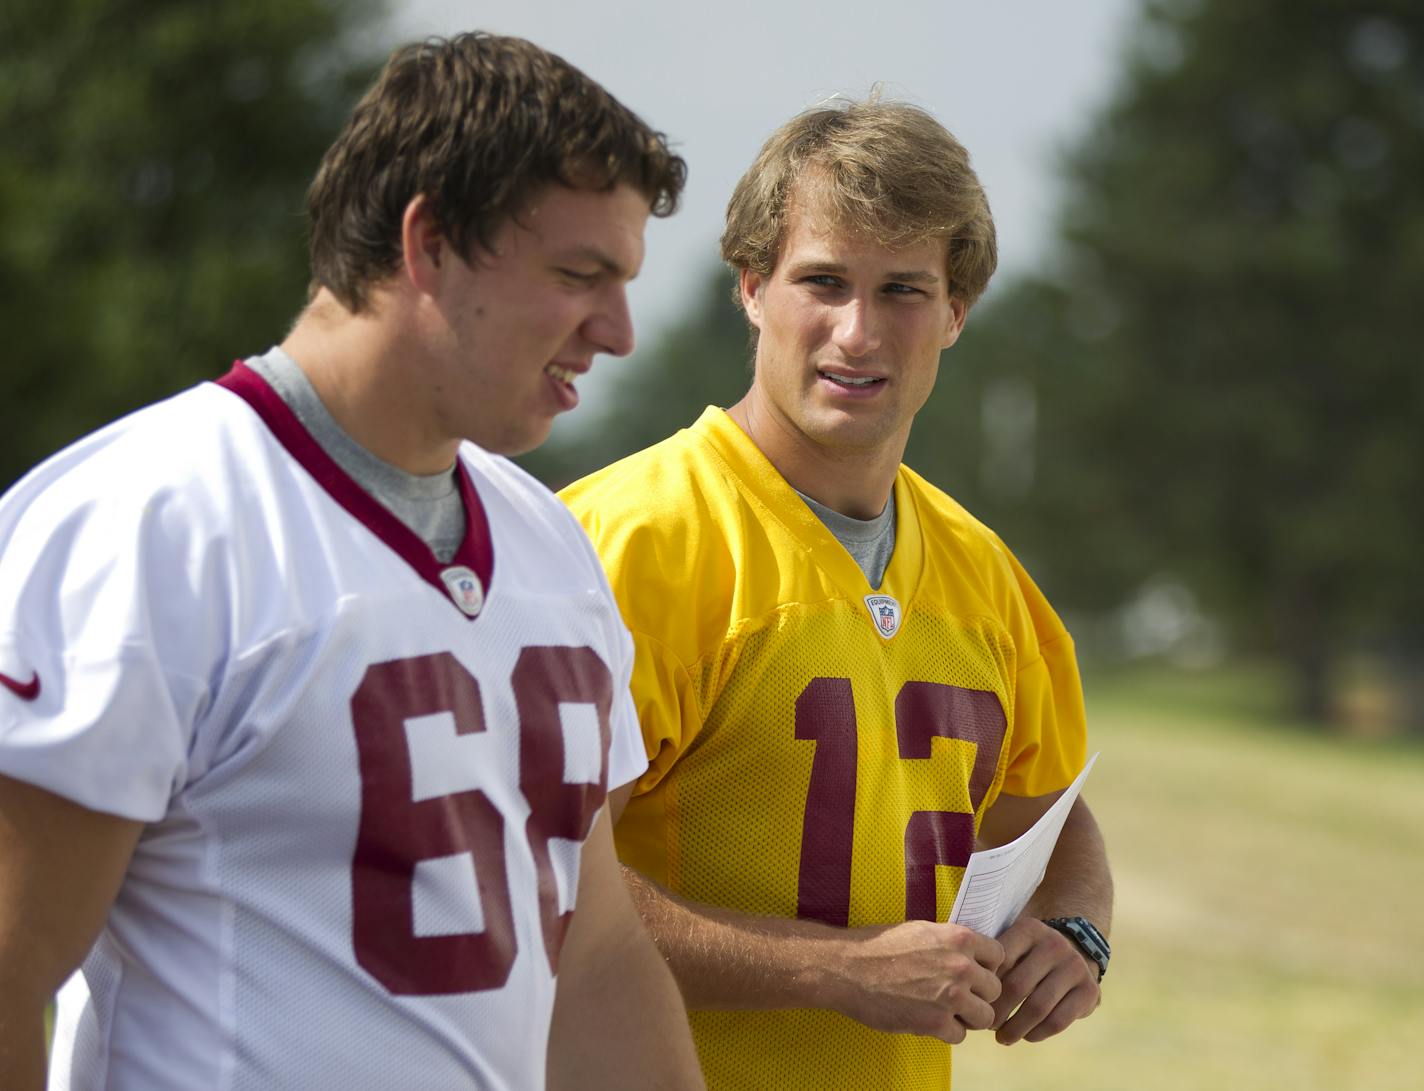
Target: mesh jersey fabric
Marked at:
364, 808
803, 762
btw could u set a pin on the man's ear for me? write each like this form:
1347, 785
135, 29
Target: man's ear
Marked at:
959, 314
424, 248
750, 284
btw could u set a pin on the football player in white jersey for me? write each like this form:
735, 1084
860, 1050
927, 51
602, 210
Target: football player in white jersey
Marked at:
310, 700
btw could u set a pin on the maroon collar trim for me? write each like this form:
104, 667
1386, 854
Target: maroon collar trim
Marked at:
476, 551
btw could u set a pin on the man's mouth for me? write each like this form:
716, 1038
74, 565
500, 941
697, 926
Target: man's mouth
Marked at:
851, 381
563, 374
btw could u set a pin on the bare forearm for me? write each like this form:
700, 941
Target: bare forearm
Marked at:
917, 977
627, 1028
60, 868
725, 960
1078, 882
22, 1052
619, 1020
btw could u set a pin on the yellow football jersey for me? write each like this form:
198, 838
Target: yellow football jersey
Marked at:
820, 748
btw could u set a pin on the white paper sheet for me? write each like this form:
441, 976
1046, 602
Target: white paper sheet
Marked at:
998, 883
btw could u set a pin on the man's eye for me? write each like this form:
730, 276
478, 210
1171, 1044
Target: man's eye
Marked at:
578, 275
823, 280
902, 289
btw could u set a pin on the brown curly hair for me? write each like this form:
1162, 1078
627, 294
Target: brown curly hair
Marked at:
478, 123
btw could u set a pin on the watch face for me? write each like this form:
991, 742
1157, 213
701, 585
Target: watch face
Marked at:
1089, 940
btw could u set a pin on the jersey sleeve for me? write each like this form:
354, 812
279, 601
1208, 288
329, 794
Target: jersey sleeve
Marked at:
651, 574
94, 619
662, 695
627, 760
1050, 723
667, 707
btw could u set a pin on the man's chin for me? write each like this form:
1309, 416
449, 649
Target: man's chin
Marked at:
838, 428
520, 441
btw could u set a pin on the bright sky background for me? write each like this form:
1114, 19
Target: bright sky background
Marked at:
1015, 80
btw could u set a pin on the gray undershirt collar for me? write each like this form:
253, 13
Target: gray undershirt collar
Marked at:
870, 542
429, 504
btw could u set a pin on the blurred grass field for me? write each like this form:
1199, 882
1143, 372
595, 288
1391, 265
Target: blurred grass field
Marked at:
1269, 889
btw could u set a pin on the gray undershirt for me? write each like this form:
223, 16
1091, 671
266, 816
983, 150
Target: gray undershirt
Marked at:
429, 504
871, 542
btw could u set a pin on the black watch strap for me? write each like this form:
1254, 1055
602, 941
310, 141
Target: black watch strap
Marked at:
1089, 940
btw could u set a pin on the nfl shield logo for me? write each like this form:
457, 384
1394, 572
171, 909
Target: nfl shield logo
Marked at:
885, 612
465, 590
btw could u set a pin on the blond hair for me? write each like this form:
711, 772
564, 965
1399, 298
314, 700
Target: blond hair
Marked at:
885, 169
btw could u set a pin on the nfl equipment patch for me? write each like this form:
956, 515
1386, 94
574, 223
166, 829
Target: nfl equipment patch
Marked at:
465, 590
885, 612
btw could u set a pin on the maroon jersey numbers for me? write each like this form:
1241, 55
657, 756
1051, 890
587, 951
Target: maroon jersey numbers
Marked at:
396, 831
825, 713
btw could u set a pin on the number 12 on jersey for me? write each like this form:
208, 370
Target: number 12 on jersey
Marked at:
825, 715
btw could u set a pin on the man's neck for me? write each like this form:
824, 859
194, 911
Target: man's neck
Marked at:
365, 373
855, 482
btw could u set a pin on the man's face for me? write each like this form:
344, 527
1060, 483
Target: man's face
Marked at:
519, 325
850, 334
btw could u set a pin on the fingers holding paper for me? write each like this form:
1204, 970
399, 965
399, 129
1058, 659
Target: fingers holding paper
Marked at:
1047, 984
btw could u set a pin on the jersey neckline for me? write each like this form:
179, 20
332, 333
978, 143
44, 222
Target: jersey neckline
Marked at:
745, 459
476, 551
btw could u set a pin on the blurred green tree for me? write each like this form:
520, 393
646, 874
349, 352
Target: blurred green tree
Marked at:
1225, 360
156, 154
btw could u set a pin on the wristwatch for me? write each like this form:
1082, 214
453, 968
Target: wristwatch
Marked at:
1089, 940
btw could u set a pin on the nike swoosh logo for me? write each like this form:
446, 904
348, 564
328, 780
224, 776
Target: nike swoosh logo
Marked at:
25, 691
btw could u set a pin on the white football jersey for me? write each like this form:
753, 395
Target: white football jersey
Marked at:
366, 775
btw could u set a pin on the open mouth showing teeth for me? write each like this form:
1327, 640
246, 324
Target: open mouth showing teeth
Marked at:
563, 374
845, 380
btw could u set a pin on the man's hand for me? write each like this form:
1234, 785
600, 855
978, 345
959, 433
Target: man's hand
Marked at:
920, 978
1047, 982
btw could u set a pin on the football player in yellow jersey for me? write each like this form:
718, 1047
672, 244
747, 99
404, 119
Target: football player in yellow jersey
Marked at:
845, 682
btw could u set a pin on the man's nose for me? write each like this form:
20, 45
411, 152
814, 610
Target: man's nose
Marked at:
857, 330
